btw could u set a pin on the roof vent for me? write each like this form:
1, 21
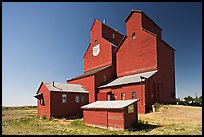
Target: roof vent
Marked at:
104, 21
53, 84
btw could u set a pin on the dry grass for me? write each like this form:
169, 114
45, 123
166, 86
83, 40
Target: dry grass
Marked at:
170, 120
176, 120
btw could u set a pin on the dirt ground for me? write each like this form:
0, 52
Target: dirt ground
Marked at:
177, 112
175, 120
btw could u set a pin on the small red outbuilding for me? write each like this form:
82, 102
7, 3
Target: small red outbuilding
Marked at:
120, 114
61, 99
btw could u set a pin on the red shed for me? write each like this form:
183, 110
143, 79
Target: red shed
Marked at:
120, 114
60, 99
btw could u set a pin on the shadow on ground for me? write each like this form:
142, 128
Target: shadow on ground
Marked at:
143, 126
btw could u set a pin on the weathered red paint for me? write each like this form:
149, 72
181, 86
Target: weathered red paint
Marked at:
111, 118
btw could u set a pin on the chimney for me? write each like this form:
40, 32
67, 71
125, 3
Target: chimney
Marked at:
104, 21
53, 84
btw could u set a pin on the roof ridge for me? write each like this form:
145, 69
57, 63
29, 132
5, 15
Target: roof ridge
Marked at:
91, 72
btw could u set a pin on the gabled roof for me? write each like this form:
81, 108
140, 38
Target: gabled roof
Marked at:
129, 79
138, 11
91, 72
64, 87
113, 104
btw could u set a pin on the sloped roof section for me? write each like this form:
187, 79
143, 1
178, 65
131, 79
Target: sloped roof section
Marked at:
64, 87
129, 79
91, 72
139, 11
113, 104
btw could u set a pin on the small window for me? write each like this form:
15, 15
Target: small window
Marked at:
133, 95
82, 98
64, 98
41, 101
113, 35
77, 99
123, 96
95, 41
131, 108
133, 35
108, 97
104, 78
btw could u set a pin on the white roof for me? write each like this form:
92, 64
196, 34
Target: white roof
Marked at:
110, 104
64, 87
129, 79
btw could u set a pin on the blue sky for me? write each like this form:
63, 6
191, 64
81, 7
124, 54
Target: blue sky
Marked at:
47, 41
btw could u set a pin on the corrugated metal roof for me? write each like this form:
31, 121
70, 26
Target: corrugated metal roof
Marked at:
64, 87
129, 79
91, 72
113, 104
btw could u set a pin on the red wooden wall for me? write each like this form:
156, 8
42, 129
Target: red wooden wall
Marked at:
130, 118
139, 54
88, 83
108, 32
150, 26
70, 108
127, 89
111, 118
44, 110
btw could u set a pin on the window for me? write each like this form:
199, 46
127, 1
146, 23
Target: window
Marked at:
104, 78
64, 98
131, 108
82, 98
108, 97
123, 96
133, 35
95, 41
113, 35
133, 95
77, 99
41, 101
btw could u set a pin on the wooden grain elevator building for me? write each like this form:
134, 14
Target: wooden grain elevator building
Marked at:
137, 65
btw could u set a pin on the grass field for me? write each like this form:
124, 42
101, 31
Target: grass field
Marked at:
170, 120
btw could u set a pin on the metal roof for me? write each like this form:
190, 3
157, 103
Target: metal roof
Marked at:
64, 87
91, 72
113, 104
129, 79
